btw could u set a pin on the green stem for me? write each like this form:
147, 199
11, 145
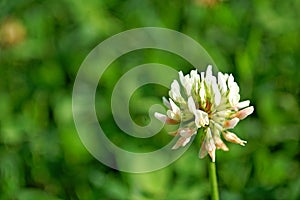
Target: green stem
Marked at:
213, 181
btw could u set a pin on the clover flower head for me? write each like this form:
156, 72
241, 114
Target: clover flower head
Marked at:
203, 101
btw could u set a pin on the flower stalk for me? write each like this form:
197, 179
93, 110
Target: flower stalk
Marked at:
213, 181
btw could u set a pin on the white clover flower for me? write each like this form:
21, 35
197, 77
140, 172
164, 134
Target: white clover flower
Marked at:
204, 101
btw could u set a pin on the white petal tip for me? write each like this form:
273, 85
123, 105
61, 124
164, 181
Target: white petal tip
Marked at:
243, 143
243, 104
160, 117
251, 110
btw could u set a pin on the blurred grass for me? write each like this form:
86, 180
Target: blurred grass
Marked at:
42, 44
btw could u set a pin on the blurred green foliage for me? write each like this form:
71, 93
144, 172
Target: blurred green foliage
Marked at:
43, 43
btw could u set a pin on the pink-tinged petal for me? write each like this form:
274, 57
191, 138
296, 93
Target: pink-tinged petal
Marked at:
186, 141
172, 121
182, 141
185, 137
164, 119
203, 151
211, 148
231, 137
160, 117
186, 132
242, 114
220, 144
212, 154
210, 145
229, 124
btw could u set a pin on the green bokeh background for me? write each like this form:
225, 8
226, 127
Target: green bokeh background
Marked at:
43, 43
